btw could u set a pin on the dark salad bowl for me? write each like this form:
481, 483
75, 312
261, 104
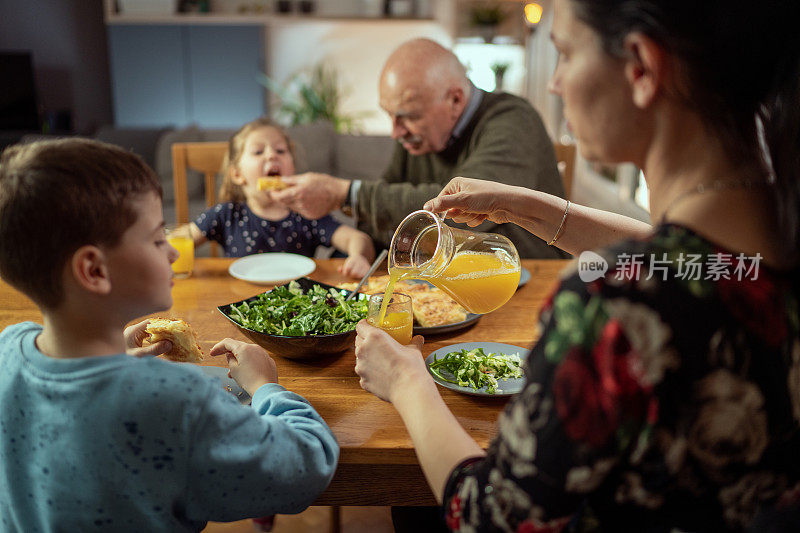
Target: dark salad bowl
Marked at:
297, 347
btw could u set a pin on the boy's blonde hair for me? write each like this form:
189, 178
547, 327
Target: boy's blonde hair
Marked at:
230, 191
56, 196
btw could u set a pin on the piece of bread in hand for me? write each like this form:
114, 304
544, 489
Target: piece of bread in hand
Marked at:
271, 184
180, 334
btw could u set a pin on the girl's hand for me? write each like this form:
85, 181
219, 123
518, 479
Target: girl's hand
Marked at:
384, 365
248, 364
355, 266
135, 336
472, 201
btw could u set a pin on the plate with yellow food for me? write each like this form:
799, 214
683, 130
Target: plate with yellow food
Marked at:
434, 311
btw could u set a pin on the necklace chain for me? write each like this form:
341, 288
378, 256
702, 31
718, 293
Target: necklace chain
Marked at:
714, 186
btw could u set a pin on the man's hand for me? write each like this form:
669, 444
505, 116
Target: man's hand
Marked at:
472, 201
135, 336
312, 195
248, 364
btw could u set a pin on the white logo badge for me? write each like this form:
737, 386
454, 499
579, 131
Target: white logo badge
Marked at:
591, 266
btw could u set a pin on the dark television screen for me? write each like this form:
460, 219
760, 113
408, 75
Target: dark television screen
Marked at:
18, 105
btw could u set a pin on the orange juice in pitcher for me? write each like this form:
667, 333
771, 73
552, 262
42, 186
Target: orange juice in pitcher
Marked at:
478, 270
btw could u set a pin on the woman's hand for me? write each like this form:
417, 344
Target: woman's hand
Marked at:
385, 366
135, 336
248, 364
472, 201
355, 266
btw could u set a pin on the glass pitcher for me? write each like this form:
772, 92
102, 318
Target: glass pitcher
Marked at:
479, 270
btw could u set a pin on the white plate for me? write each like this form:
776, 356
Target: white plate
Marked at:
271, 268
505, 387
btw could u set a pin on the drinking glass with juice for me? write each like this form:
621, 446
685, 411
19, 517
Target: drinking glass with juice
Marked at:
396, 319
180, 238
478, 270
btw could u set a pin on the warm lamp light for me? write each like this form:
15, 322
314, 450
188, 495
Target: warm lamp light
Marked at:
533, 13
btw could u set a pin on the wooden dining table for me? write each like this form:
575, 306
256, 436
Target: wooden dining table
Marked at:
377, 464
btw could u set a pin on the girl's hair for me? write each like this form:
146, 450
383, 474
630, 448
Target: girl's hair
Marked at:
740, 63
230, 191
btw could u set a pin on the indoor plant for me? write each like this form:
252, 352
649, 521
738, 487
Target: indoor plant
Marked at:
311, 96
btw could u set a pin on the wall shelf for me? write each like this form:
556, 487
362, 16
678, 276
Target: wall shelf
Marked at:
259, 19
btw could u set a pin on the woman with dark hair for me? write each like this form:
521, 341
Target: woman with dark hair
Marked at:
663, 394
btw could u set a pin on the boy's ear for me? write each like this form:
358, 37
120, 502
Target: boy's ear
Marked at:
645, 68
90, 271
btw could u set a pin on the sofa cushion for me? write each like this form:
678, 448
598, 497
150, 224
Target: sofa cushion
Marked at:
363, 156
314, 147
164, 161
142, 141
223, 135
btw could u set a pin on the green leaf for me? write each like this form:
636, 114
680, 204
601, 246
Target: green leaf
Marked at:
312, 96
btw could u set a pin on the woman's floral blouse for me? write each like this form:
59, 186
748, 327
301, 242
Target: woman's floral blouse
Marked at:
662, 396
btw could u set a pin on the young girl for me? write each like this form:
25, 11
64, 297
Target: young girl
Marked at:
248, 222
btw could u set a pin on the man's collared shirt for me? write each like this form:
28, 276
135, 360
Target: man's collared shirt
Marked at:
475, 98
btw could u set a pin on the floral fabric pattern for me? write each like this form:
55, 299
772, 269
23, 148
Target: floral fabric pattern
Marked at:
656, 401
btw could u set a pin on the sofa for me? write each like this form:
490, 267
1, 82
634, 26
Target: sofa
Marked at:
318, 148
321, 149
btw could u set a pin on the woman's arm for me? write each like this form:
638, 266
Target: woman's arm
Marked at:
358, 247
397, 374
472, 201
440, 441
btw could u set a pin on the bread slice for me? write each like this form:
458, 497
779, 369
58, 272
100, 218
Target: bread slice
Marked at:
430, 305
271, 184
435, 308
180, 334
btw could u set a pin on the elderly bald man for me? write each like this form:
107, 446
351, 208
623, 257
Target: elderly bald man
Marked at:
445, 127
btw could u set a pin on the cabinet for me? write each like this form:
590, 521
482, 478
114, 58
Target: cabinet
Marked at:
176, 69
176, 75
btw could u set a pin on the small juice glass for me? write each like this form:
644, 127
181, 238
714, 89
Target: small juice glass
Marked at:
181, 239
398, 320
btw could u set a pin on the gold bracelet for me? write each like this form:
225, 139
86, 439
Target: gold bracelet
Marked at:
560, 227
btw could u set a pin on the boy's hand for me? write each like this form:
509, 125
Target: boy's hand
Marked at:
135, 336
250, 365
355, 266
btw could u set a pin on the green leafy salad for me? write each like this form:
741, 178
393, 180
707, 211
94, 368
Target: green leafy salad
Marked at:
476, 369
287, 310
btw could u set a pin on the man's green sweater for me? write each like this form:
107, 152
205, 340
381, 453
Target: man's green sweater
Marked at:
505, 141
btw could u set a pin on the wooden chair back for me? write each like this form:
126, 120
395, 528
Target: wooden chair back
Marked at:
565, 157
203, 157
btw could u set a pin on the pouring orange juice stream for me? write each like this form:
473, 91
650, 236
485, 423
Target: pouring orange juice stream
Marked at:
481, 282
398, 324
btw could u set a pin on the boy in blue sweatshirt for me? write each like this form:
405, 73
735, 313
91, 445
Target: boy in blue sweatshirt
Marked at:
91, 438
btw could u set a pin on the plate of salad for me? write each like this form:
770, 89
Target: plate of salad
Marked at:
301, 319
478, 368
